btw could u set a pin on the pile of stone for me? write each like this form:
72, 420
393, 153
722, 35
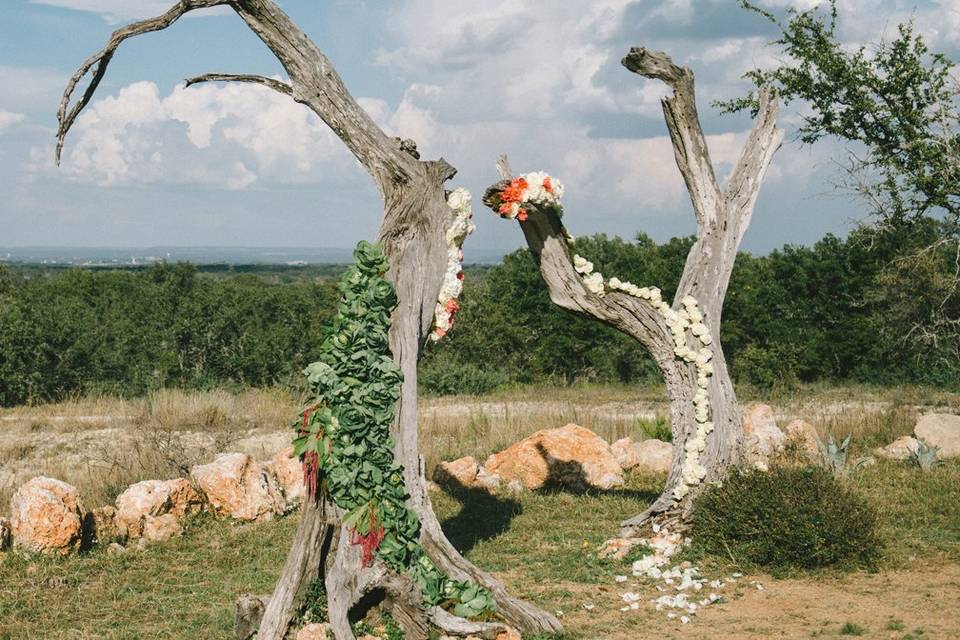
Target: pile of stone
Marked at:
47, 515
940, 430
571, 456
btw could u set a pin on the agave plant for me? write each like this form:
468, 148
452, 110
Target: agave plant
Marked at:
924, 456
833, 456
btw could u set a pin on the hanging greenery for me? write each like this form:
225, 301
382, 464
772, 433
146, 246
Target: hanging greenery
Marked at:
343, 436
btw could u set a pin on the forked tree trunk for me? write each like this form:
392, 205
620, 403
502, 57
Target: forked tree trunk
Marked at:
722, 218
413, 237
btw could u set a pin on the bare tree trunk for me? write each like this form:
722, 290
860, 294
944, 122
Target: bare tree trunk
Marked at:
413, 237
722, 218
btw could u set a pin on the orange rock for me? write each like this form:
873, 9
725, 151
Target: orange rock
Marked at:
288, 473
648, 455
313, 631
570, 455
103, 528
509, 634
160, 528
47, 516
805, 435
763, 437
459, 473
151, 498
900, 449
236, 486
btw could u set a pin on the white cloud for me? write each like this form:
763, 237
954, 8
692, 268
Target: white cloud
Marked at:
8, 119
231, 136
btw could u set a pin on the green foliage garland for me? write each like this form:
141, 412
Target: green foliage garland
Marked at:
343, 437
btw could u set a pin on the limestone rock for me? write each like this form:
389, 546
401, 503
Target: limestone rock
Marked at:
489, 481
152, 498
236, 486
458, 473
313, 631
805, 436
940, 430
900, 449
103, 527
47, 516
6, 538
570, 455
509, 634
160, 528
288, 472
763, 437
648, 455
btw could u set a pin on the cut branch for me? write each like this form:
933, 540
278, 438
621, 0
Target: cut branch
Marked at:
272, 83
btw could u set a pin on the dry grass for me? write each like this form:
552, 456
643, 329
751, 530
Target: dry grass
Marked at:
103, 444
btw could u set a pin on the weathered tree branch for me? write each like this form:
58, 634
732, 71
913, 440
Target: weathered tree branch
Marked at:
413, 236
102, 59
272, 83
722, 218
683, 123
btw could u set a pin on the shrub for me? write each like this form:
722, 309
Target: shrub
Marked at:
659, 428
446, 376
787, 518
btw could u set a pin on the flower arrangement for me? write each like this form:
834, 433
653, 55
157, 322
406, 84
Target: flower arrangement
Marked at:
343, 437
461, 226
536, 188
543, 190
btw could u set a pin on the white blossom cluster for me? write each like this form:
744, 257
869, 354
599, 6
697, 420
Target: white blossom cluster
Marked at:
461, 226
592, 280
542, 188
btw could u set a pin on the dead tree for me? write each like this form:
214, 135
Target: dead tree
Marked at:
412, 235
722, 218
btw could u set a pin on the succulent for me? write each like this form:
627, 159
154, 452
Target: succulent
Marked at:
833, 456
924, 456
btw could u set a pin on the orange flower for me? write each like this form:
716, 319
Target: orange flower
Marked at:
548, 184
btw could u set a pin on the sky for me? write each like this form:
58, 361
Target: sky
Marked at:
150, 163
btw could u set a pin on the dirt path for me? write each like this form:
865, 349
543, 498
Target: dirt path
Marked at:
917, 604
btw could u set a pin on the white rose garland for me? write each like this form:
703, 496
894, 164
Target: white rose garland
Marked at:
461, 226
541, 189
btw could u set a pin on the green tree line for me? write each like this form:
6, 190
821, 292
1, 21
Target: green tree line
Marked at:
842, 310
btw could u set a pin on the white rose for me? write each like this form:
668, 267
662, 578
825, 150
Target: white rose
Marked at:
615, 283
594, 282
458, 198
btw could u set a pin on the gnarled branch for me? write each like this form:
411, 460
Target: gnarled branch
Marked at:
683, 123
102, 59
272, 83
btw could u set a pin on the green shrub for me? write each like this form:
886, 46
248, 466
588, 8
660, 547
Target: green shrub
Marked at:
787, 518
446, 376
658, 428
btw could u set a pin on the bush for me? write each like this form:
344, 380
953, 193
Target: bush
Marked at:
446, 376
787, 518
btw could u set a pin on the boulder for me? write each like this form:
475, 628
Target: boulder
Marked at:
509, 634
648, 455
804, 435
570, 456
900, 449
940, 430
47, 517
6, 537
763, 437
313, 631
103, 527
152, 498
288, 472
236, 486
489, 481
459, 473
160, 528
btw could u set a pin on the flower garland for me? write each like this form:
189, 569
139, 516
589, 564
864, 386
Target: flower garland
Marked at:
532, 187
461, 226
343, 437
536, 188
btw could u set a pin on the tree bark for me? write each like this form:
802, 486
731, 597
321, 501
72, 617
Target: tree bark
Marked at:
722, 218
412, 235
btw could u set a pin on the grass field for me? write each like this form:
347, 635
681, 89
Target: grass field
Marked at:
542, 544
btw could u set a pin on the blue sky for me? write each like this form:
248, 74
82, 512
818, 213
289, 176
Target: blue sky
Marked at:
152, 163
